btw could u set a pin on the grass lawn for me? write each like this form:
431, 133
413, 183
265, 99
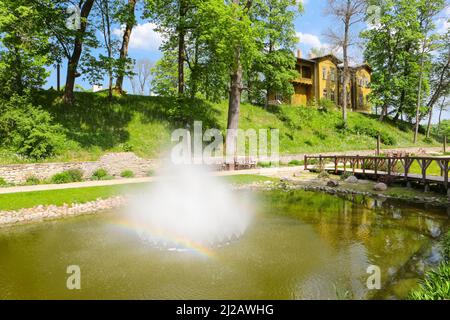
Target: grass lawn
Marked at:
433, 169
143, 125
81, 195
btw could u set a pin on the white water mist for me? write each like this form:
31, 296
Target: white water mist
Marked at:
187, 206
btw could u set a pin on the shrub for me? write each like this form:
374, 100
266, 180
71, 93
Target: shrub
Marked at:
127, 174
446, 247
32, 180
68, 176
326, 104
268, 164
435, 286
101, 174
323, 175
294, 163
150, 173
28, 130
369, 130
346, 175
3, 182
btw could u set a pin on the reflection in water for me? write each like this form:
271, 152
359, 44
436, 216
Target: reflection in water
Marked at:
302, 245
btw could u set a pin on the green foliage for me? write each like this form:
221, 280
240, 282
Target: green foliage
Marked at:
3, 182
100, 174
345, 175
267, 164
24, 47
446, 246
294, 163
29, 130
371, 131
323, 175
127, 174
68, 176
441, 130
32, 180
327, 105
435, 286
398, 63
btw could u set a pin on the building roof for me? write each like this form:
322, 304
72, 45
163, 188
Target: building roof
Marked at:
328, 56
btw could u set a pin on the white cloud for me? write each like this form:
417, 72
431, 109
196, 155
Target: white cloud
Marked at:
309, 39
143, 37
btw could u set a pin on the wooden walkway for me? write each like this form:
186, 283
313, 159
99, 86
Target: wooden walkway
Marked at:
386, 169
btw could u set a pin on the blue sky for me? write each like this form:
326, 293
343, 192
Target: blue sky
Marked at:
311, 28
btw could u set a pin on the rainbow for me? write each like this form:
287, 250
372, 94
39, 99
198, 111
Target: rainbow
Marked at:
164, 236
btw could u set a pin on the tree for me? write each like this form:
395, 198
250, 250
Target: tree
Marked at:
428, 9
174, 18
348, 13
165, 81
24, 49
439, 78
275, 66
391, 50
74, 59
141, 76
127, 16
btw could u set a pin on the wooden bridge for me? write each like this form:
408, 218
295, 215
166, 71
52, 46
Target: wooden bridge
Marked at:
385, 168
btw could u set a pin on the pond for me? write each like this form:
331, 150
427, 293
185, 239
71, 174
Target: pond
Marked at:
301, 245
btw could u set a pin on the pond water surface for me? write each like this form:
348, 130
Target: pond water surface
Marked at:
301, 245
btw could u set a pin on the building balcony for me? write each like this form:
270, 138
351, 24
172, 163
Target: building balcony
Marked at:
307, 81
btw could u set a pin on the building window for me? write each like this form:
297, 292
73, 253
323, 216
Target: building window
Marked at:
333, 74
332, 96
306, 72
325, 93
278, 96
324, 73
361, 99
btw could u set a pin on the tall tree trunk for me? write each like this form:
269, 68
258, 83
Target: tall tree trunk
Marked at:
346, 68
125, 43
181, 46
440, 113
234, 102
419, 93
72, 63
430, 116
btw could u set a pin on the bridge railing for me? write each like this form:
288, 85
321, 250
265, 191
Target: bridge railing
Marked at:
391, 166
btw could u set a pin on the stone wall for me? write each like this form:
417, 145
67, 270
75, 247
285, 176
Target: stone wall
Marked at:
114, 163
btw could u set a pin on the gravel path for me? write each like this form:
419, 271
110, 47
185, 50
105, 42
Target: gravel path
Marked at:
278, 172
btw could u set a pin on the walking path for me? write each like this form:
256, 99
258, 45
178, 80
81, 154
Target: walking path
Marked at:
279, 172
86, 184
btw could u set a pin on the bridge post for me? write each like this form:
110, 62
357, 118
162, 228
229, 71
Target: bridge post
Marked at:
306, 162
336, 165
389, 166
424, 174
446, 168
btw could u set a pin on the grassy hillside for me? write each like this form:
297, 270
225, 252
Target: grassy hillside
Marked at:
143, 124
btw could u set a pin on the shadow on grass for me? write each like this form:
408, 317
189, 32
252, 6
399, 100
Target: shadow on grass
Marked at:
94, 121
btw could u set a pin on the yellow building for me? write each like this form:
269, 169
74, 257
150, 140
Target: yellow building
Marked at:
322, 77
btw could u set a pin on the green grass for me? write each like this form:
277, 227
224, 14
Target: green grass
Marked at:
248, 178
143, 125
433, 169
57, 197
17, 201
436, 284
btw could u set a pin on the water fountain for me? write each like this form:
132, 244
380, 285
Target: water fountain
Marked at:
189, 208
